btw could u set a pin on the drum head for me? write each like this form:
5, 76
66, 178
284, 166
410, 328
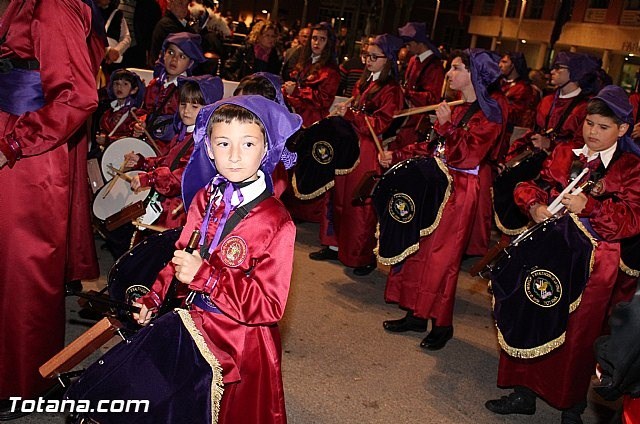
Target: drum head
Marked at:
326, 148
114, 154
408, 199
111, 200
537, 283
135, 271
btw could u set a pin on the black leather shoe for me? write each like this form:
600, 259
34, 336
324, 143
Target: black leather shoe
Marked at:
515, 403
573, 415
324, 254
361, 271
437, 337
408, 323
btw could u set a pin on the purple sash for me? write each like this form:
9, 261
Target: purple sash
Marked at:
20, 91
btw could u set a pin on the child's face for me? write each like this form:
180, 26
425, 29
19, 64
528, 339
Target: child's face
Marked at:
189, 112
122, 89
176, 61
237, 148
601, 132
375, 59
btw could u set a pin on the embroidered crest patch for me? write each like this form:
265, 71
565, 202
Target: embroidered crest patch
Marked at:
322, 152
233, 251
135, 292
402, 208
542, 287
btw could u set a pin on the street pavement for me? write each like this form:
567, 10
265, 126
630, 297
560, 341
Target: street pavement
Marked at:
341, 367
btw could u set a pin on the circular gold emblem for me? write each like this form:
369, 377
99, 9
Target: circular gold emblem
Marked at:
322, 152
542, 287
135, 292
233, 251
402, 208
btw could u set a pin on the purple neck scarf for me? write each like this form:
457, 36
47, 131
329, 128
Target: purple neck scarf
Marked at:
231, 202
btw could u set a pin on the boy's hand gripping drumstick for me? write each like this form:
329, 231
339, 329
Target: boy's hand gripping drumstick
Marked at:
151, 140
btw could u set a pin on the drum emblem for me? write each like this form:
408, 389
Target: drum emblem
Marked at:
233, 251
322, 152
402, 208
135, 292
542, 287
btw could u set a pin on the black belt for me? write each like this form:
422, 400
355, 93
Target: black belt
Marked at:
9, 63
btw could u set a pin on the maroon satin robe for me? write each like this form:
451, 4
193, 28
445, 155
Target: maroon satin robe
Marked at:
426, 281
355, 224
251, 293
36, 190
110, 119
562, 377
522, 100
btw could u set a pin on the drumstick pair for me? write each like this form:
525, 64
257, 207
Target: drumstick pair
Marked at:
113, 180
144, 129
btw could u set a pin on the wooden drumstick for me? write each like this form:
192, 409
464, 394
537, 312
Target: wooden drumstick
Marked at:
157, 228
347, 102
424, 109
373, 134
445, 84
113, 181
175, 211
119, 173
151, 140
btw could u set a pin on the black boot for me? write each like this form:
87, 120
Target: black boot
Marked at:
573, 415
324, 254
437, 337
521, 401
408, 323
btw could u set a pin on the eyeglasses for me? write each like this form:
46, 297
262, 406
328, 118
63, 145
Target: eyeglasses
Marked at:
373, 57
557, 67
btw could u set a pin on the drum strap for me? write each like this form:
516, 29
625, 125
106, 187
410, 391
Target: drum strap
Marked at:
235, 218
182, 152
155, 113
565, 114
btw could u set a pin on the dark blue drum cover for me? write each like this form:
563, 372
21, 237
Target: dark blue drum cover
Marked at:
509, 218
166, 364
630, 256
327, 148
538, 282
135, 271
409, 199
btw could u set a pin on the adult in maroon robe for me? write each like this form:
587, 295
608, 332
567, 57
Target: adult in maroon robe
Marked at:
37, 171
428, 291
562, 377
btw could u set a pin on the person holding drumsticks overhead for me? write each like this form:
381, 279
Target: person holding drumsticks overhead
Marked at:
610, 213
164, 173
424, 284
347, 225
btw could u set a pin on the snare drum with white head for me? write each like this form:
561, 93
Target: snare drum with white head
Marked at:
114, 154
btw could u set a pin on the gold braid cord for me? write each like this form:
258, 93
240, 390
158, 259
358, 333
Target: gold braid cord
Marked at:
501, 226
627, 270
217, 386
424, 231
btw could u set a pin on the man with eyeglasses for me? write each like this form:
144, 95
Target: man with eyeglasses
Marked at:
422, 86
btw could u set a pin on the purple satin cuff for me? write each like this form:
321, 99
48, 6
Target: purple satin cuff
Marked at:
21, 91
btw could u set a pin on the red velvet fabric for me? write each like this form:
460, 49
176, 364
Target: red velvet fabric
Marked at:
630, 410
167, 181
252, 297
36, 190
355, 224
416, 284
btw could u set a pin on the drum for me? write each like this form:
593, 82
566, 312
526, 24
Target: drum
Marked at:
409, 200
509, 218
133, 273
538, 282
112, 198
327, 148
630, 256
114, 154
